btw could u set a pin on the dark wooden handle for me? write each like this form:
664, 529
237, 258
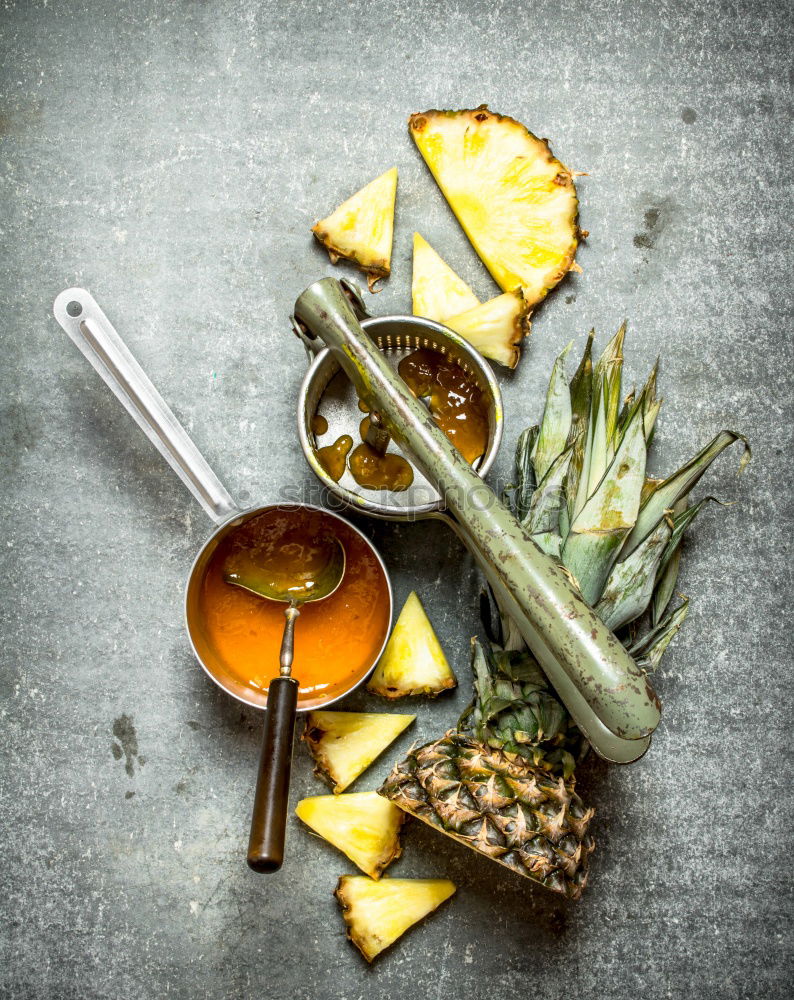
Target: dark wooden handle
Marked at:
269, 819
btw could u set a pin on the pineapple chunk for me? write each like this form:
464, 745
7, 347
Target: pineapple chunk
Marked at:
362, 228
413, 661
344, 744
377, 913
363, 825
437, 292
495, 328
516, 202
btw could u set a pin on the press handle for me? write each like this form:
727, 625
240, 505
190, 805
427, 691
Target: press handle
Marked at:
80, 316
269, 818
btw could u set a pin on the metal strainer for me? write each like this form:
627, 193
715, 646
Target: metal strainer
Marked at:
327, 391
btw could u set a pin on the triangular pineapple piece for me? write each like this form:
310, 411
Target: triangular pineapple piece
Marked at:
436, 290
413, 661
344, 744
363, 825
496, 328
377, 913
516, 202
361, 229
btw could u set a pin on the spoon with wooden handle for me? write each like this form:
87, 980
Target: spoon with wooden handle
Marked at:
294, 567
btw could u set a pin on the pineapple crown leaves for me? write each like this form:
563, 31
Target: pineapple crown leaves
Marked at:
514, 707
583, 494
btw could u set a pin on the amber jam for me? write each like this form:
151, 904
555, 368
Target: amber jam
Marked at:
374, 471
332, 457
455, 402
336, 639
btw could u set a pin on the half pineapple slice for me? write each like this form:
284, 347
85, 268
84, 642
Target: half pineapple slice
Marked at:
496, 328
344, 744
516, 202
377, 913
362, 228
499, 804
363, 825
436, 291
413, 661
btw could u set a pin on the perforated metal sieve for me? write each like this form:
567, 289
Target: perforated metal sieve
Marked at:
327, 391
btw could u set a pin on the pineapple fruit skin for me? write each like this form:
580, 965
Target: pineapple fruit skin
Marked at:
358, 825
500, 805
344, 744
514, 199
378, 913
361, 229
413, 661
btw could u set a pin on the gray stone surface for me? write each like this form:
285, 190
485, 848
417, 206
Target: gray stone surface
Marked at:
171, 157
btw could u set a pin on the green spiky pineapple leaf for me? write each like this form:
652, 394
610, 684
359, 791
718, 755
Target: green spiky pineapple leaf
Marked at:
582, 493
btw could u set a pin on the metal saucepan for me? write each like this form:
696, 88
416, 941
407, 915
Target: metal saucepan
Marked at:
608, 695
89, 328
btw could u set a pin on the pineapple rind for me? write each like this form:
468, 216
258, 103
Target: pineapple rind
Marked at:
358, 826
436, 290
361, 229
514, 199
495, 328
413, 662
499, 804
344, 744
378, 913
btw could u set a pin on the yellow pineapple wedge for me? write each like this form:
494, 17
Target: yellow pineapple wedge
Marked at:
362, 228
377, 913
437, 292
344, 744
363, 825
413, 661
516, 202
496, 328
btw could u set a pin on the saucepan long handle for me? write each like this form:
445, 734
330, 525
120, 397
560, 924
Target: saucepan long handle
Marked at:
604, 689
91, 330
269, 817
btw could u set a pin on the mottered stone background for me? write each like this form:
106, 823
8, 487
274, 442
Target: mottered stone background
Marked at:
171, 157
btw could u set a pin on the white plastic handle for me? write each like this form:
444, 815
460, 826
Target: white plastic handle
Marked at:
91, 330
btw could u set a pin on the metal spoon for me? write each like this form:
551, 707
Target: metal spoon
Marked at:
294, 568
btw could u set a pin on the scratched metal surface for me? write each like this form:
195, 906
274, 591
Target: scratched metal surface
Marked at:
171, 158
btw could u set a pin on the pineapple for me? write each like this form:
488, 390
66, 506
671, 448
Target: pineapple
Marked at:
362, 228
437, 292
377, 913
413, 661
499, 804
503, 782
344, 744
363, 825
516, 202
495, 328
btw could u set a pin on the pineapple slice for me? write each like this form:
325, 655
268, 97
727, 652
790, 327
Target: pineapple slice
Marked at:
413, 661
361, 229
344, 744
437, 292
363, 825
377, 913
495, 328
516, 202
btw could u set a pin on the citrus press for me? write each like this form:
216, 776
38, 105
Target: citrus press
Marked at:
355, 357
